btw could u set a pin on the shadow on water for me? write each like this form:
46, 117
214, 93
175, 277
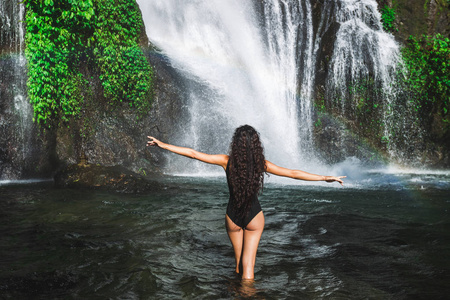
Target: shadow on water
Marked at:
385, 241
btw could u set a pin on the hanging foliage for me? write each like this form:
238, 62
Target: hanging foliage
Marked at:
427, 60
63, 36
388, 18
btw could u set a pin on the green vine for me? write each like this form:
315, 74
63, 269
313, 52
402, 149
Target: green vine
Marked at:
125, 71
388, 18
427, 60
64, 38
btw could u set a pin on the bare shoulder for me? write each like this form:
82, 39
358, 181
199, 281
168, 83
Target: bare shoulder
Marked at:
223, 159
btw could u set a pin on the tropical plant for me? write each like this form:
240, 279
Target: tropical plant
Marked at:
388, 18
66, 37
427, 60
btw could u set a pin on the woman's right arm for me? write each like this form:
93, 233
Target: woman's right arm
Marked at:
215, 159
301, 175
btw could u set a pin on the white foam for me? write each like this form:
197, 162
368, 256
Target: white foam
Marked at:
24, 181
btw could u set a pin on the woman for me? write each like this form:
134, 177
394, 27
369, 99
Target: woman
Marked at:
245, 167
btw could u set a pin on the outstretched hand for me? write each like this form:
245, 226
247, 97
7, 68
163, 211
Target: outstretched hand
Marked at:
153, 142
335, 178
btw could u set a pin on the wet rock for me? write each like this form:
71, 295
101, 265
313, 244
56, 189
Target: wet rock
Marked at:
116, 135
335, 143
114, 178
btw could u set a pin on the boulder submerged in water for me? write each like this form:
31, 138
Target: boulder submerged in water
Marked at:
113, 178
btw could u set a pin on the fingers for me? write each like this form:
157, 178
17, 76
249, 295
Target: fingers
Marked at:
340, 180
336, 178
152, 141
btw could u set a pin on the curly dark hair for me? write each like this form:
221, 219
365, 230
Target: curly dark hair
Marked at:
246, 168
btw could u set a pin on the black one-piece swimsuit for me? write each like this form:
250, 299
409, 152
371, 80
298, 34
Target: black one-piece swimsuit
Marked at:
254, 209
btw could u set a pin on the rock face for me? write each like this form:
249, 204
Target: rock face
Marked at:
117, 136
106, 147
419, 17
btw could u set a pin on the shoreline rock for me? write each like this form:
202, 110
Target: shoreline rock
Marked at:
113, 178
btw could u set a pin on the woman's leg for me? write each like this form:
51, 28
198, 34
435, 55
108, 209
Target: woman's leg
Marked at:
252, 235
236, 235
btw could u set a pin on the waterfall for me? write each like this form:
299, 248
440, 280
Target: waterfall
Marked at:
16, 111
242, 70
362, 48
256, 62
366, 57
289, 33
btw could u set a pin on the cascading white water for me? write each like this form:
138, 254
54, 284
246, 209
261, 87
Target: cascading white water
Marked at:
362, 47
21, 102
12, 20
255, 62
289, 32
363, 50
241, 73
13, 82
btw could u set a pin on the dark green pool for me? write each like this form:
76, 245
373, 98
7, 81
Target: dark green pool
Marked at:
384, 237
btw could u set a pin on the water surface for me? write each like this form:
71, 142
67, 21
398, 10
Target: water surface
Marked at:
384, 237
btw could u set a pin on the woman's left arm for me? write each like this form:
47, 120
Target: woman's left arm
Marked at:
215, 159
301, 175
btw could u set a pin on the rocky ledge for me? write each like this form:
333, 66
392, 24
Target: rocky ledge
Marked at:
114, 178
